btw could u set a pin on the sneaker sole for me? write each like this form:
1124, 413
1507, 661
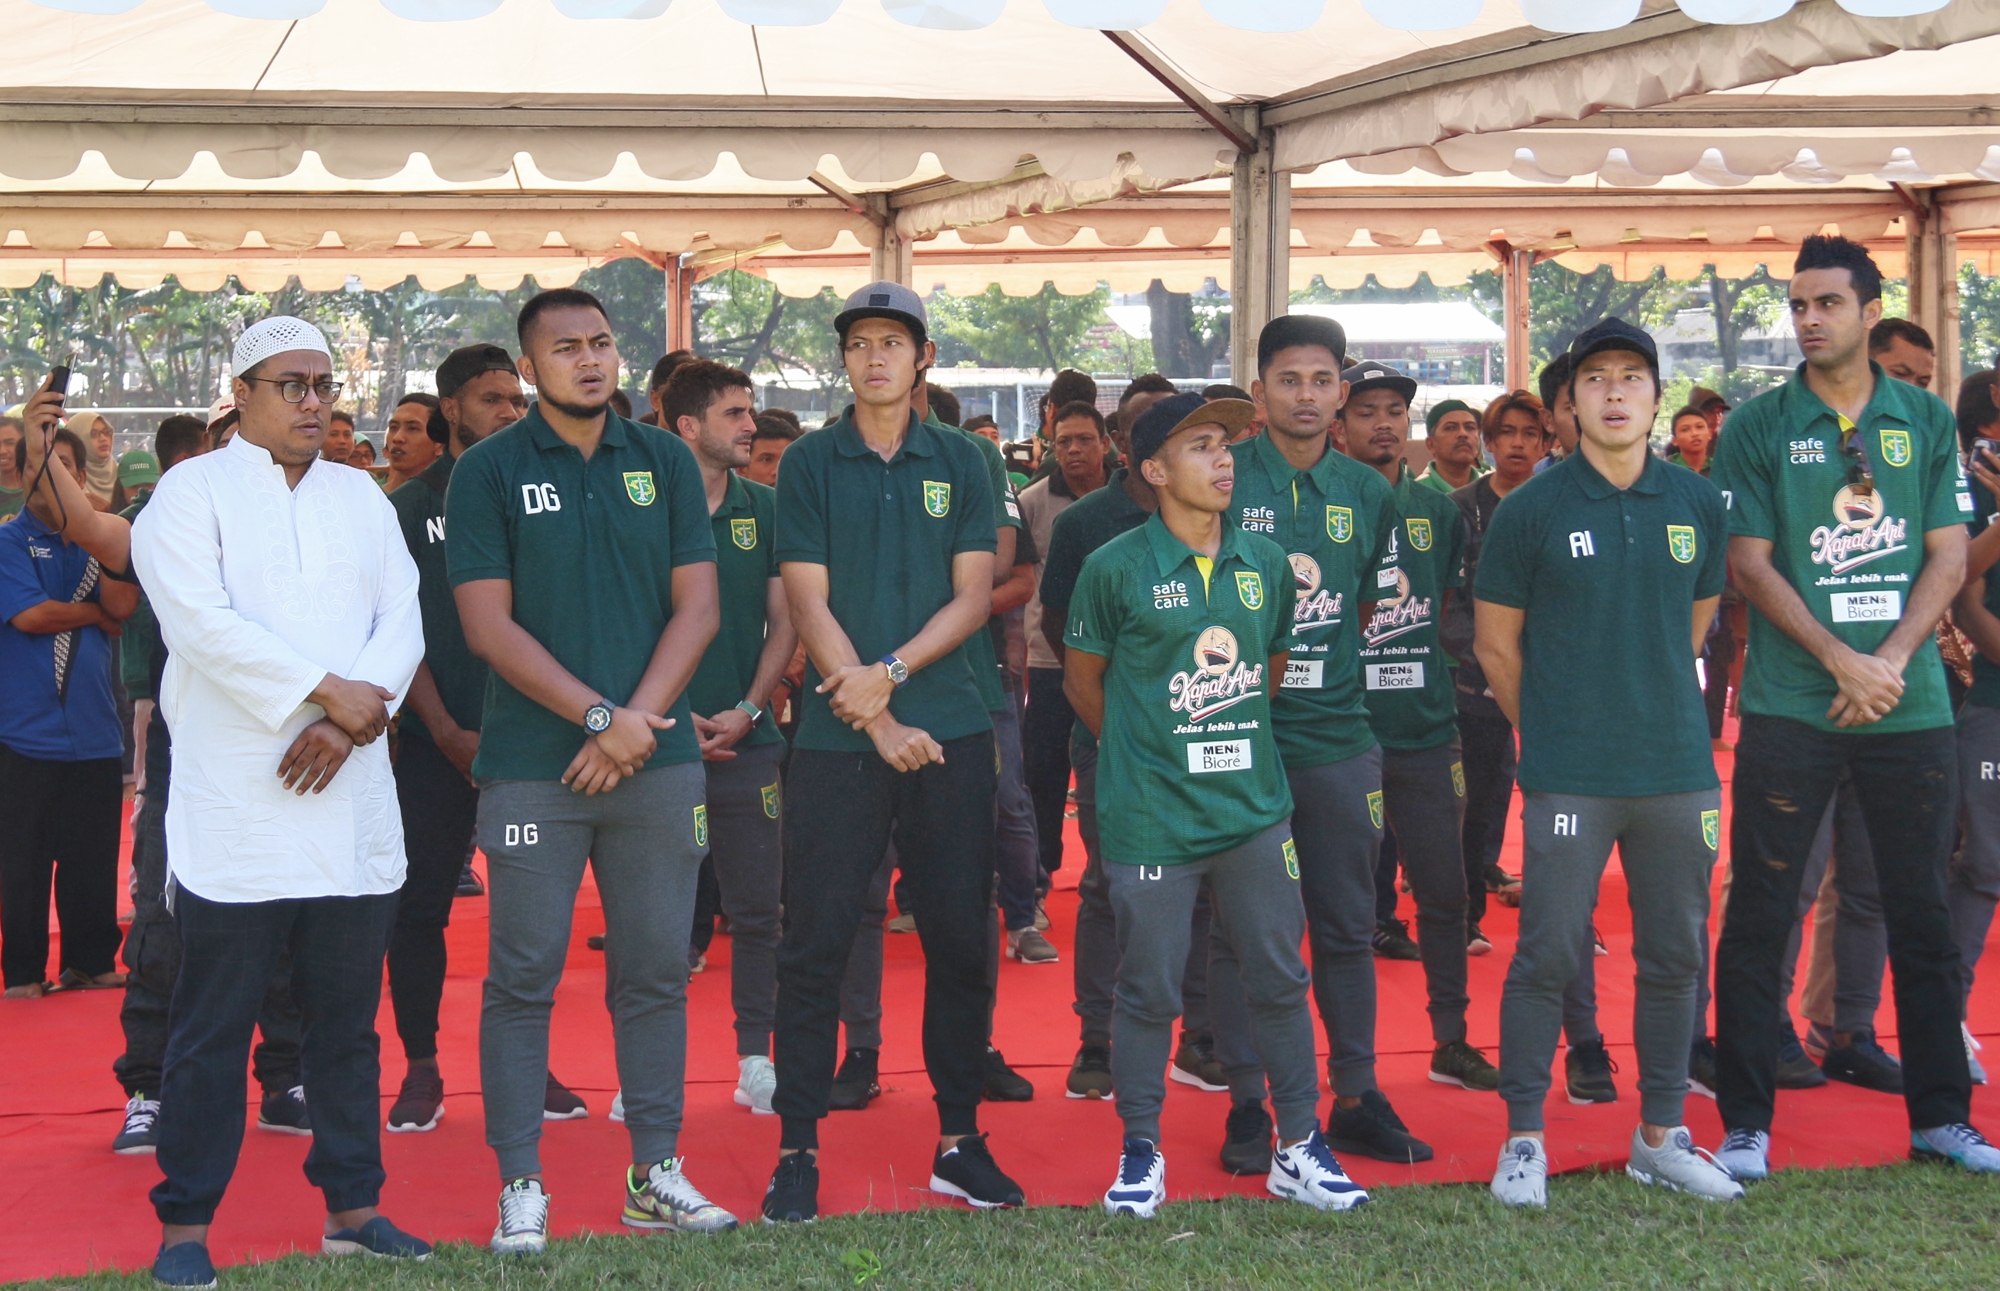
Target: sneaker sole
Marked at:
328, 1246
1848, 1079
143, 1150
1183, 1076
1095, 1095
292, 1130
518, 1248
1661, 1181
1291, 1192
1696, 1087
1475, 949
1133, 1209
406, 1127
1443, 1079
1575, 1101
652, 1224
944, 1186
186, 1286
746, 1100
580, 1114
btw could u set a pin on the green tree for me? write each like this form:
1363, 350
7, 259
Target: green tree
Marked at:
742, 320
1190, 333
1978, 320
995, 330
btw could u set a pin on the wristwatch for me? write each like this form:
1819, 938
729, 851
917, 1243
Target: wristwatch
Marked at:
597, 718
899, 672
756, 714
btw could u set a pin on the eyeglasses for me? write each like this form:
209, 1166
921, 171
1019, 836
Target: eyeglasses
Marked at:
1860, 477
295, 391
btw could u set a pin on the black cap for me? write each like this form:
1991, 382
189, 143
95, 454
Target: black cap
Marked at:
462, 365
1370, 375
1171, 415
1613, 334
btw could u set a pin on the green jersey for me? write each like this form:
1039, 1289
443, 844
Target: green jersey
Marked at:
1430, 478
1404, 673
1852, 553
1335, 522
979, 651
1985, 690
745, 563
1187, 764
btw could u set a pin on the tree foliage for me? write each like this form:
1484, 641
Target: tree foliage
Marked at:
995, 330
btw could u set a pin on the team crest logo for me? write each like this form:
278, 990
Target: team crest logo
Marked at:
1420, 534
771, 801
701, 825
743, 533
1340, 523
1375, 808
1250, 589
937, 498
1291, 859
1458, 778
1680, 542
639, 487
1896, 447
1215, 651
1711, 829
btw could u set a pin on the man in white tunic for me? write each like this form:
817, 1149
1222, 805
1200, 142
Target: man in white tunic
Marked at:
288, 601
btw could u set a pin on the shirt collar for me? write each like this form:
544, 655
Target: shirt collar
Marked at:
1120, 502
1652, 480
918, 441
1888, 402
545, 436
1282, 472
32, 527
1170, 553
261, 457
438, 473
735, 497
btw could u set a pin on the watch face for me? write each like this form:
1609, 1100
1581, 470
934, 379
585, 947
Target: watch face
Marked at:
597, 719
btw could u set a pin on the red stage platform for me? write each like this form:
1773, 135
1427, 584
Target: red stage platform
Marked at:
60, 1107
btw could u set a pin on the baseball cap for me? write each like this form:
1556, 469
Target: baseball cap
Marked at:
467, 362
219, 409
1439, 411
1169, 417
1613, 334
1370, 375
885, 300
1701, 399
138, 467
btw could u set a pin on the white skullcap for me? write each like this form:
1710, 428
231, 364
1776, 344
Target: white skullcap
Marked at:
276, 335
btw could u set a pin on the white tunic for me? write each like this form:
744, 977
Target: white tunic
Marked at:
260, 591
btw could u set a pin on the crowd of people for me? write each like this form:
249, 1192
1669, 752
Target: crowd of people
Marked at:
751, 673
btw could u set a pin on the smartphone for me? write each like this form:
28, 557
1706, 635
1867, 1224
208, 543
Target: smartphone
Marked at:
59, 377
1985, 450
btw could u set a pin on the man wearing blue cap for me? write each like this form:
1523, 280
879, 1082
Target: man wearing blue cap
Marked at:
885, 542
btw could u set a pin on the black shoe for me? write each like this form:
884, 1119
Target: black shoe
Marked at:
1475, 940
1795, 1069
1246, 1139
966, 1170
1195, 1063
379, 1238
468, 882
1374, 1130
1003, 1083
1863, 1062
284, 1112
792, 1197
185, 1266
1392, 941
1588, 1069
559, 1103
1458, 1063
855, 1085
1090, 1074
1503, 885
1701, 1067
140, 1134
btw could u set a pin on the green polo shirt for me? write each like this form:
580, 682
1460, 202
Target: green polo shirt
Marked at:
1430, 478
11, 502
1404, 673
745, 532
1335, 523
887, 533
590, 547
1853, 558
1608, 578
1985, 690
979, 651
1189, 765
460, 675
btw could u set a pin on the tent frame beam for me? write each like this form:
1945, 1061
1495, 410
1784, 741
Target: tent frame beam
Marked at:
1162, 70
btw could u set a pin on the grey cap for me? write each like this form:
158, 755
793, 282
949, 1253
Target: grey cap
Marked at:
890, 300
1370, 375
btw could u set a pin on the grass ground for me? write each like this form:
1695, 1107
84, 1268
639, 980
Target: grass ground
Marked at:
1894, 1227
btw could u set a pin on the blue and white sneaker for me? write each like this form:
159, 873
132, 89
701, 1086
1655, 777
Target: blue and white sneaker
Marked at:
1960, 1144
1680, 1165
1522, 1177
1309, 1172
1745, 1155
1142, 1181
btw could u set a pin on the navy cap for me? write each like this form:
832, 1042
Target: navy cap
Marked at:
890, 300
1613, 334
1370, 375
1169, 416
462, 365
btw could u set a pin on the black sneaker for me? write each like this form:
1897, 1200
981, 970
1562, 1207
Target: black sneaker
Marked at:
1863, 1062
140, 1134
468, 882
1003, 1083
1701, 1067
1373, 1129
966, 1171
1588, 1070
284, 1112
854, 1085
1458, 1063
1475, 940
1503, 885
419, 1103
1195, 1063
1795, 1069
378, 1238
1090, 1074
560, 1104
1246, 1139
185, 1266
792, 1197
1392, 941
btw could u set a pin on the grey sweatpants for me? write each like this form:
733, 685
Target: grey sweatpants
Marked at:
1972, 884
1255, 893
644, 841
744, 832
1423, 794
1667, 860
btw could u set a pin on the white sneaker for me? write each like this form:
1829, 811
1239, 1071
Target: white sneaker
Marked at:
1972, 1048
666, 1200
618, 1107
759, 1080
1958, 1143
1309, 1172
1522, 1178
524, 1219
1142, 1181
1680, 1165
1745, 1155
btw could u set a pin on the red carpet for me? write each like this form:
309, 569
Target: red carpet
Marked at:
78, 1207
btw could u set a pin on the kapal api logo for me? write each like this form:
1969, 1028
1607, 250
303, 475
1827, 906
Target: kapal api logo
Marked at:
1861, 531
1316, 607
1221, 679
